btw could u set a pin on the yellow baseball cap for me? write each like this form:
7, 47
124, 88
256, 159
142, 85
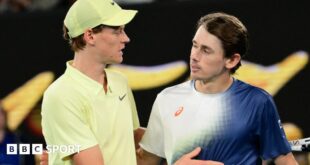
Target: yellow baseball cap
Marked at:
85, 14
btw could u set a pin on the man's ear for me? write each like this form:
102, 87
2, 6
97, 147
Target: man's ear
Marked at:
88, 36
233, 61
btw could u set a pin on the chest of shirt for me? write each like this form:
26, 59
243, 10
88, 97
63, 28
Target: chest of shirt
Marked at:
110, 113
211, 117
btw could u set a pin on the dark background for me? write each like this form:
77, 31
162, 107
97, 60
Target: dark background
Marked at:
161, 33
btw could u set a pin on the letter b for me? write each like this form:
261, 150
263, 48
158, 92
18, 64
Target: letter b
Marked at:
24, 149
11, 149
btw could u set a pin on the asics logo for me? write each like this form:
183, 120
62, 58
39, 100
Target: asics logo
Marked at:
179, 111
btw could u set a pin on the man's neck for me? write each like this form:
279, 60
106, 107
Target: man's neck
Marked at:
91, 68
212, 87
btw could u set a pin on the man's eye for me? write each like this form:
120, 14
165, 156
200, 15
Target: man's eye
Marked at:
118, 31
207, 51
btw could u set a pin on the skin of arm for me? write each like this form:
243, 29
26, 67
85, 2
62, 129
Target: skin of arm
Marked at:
146, 158
90, 155
138, 134
187, 159
287, 159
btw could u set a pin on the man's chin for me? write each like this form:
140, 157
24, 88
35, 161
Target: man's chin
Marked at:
115, 62
118, 61
194, 76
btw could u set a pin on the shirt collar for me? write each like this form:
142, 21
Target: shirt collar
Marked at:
83, 79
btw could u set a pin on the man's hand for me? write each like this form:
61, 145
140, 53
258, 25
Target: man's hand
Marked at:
187, 159
44, 158
138, 134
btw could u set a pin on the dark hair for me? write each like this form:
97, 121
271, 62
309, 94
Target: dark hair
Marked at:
78, 43
231, 32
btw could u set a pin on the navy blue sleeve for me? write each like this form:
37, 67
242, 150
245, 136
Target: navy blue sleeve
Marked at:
272, 138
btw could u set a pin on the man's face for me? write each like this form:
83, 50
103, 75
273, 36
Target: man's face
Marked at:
207, 60
110, 43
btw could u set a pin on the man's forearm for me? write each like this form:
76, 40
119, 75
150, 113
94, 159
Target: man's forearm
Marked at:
138, 134
147, 158
287, 159
91, 155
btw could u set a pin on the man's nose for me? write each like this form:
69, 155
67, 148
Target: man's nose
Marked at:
195, 55
125, 38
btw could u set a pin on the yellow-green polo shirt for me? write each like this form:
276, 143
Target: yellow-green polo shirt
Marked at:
77, 111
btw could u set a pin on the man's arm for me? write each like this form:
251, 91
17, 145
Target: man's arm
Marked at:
138, 134
187, 159
287, 159
44, 158
90, 155
146, 158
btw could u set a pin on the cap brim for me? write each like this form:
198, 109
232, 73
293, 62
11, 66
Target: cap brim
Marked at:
121, 18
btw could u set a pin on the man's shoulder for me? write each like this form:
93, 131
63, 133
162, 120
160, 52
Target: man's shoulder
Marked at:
255, 92
182, 88
60, 85
63, 87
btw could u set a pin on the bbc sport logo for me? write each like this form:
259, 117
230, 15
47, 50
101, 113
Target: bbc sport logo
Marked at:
37, 149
